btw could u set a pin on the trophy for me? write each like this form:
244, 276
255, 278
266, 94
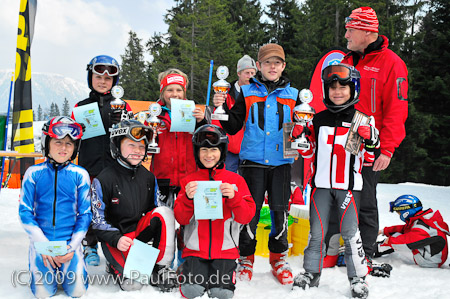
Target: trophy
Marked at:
154, 123
118, 105
303, 113
221, 87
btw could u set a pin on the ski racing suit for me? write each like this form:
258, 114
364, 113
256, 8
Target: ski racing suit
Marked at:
54, 206
336, 180
125, 203
424, 234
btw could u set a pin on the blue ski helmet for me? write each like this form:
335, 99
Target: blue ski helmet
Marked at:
346, 75
103, 64
407, 205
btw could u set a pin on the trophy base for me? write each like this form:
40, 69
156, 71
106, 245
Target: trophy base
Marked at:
300, 145
153, 150
219, 116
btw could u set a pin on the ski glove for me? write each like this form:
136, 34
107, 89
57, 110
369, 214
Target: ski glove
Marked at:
369, 133
298, 129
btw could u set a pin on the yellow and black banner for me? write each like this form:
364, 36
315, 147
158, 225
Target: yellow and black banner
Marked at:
22, 139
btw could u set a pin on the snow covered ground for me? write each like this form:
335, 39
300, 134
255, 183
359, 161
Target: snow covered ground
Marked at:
407, 280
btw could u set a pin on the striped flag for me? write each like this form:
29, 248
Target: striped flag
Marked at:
22, 139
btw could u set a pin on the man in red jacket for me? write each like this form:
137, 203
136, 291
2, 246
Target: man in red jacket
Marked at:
384, 88
424, 234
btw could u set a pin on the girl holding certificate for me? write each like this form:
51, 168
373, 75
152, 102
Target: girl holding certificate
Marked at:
211, 245
176, 158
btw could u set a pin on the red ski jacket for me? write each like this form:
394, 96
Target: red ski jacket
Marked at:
424, 234
215, 239
176, 159
384, 92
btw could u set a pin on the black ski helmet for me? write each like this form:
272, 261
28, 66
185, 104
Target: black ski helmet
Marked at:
210, 136
102, 64
346, 75
132, 129
59, 127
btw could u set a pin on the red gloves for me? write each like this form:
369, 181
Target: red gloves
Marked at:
370, 134
298, 129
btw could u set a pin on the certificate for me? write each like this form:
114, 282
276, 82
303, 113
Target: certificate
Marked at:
89, 115
52, 248
140, 261
182, 119
208, 200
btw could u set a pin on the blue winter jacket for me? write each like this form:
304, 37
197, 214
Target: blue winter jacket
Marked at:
263, 107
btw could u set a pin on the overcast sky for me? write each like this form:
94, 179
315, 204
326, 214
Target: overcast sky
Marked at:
68, 33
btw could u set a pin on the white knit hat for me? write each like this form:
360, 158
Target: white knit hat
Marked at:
246, 62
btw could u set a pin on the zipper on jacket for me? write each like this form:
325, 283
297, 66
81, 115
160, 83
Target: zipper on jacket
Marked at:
210, 237
54, 200
373, 95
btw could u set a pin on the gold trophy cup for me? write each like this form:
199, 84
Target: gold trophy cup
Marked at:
222, 87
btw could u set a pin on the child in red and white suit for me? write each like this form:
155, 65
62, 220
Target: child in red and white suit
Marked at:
211, 245
424, 234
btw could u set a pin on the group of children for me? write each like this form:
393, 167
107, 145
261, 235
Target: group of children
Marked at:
122, 201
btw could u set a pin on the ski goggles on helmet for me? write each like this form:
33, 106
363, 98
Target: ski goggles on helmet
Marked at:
349, 20
393, 208
101, 69
340, 72
209, 138
139, 133
60, 130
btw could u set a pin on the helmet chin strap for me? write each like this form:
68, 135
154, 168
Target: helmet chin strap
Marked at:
124, 162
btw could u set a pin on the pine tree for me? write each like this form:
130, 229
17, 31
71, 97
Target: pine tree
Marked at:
66, 108
430, 90
133, 76
198, 32
39, 115
247, 18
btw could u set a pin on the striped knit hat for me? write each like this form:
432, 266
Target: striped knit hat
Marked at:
363, 18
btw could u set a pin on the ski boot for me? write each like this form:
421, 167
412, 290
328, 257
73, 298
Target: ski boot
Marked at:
307, 279
280, 268
164, 278
91, 256
245, 267
359, 287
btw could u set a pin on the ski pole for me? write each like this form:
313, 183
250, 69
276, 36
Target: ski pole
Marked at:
209, 82
6, 129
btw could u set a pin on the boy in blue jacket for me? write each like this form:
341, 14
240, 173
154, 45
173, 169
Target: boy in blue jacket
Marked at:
54, 206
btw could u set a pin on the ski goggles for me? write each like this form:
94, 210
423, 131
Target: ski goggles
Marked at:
211, 138
393, 208
60, 130
340, 72
139, 133
349, 20
101, 69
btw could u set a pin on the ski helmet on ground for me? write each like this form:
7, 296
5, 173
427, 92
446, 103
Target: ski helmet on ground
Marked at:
345, 75
133, 130
103, 64
59, 127
407, 205
210, 136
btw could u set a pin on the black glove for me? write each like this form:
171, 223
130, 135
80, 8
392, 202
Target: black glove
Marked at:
115, 116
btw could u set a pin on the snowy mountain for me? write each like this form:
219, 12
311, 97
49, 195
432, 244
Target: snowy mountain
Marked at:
46, 89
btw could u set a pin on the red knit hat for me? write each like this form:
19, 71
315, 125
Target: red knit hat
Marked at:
173, 79
363, 18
